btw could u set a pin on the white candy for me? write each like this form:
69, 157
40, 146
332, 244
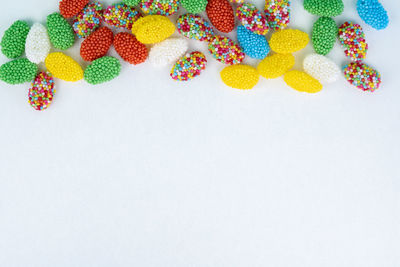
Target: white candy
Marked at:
321, 68
168, 51
37, 45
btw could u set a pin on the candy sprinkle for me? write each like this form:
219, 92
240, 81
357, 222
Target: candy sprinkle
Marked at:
278, 13
225, 50
121, 16
194, 27
362, 76
42, 91
88, 20
189, 66
352, 38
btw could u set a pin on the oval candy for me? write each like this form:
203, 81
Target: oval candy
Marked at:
362, 76
194, 6
189, 66
102, 70
352, 39
63, 67
278, 13
70, 8
221, 15
13, 41
194, 27
18, 71
88, 20
240, 76
225, 50
60, 31
131, 3
168, 51
373, 13
129, 48
159, 7
288, 41
321, 68
97, 44
324, 8
37, 45
324, 35
252, 18
254, 45
302, 82
276, 65
41, 93
121, 16
153, 29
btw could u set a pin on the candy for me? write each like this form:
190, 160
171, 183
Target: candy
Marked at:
254, 45
321, 68
131, 3
302, 82
362, 76
13, 41
97, 44
221, 15
18, 71
288, 41
153, 29
88, 20
194, 27
70, 8
63, 67
225, 50
373, 13
102, 70
60, 32
252, 18
129, 48
324, 35
160, 7
276, 65
352, 39
168, 51
37, 45
278, 13
240, 76
121, 16
189, 66
194, 6
42, 91
236, 1
324, 8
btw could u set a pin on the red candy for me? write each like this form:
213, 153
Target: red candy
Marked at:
221, 15
129, 48
97, 44
70, 8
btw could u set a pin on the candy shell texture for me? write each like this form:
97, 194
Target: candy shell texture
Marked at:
252, 18
131, 3
240, 76
88, 20
221, 15
254, 45
102, 70
324, 8
194, 6
13, 41
288, 41
63, 67
37, 45
153, 29
60, 31
18, 71
71, 8
373, 13
278, 13
352, 39
41, 93
121, 16
159, 7
97, 44
362, 76
194, 27
130, 49
321, 68
302, 82
225, 50
324, 35
168, 51
189, 66
276, 65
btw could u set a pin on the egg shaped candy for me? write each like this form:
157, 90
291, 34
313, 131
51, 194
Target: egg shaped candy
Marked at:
254, 45
168, 51
324, 35
159, 7
324, 8
352, 39
362, 76
129, 48
121, 16
189, 66
63, 67
194, 27
194, 6
321, 68
41, 93
88, 20
102, 70
276, 65
131, 3
278, 13
153, 29
70, 8
288, 41
252, 18
240, 76
373, 13
302, 82
97, 44
37, 45
221, 15
225, 50
60, 31
13, 41
18, 71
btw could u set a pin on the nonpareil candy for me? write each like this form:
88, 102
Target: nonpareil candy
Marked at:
97, 44
352, 39
41, 93
70, 8
189, 66
362, 76
324, 35
63, 67
194, 27
60, 31
221, 15
194, 6
276, 65
278, 13
254, 45
288, 41
37, 45
121, 16
252, 18
159, 7
324, 8
129, 48
321, 68
225, 50
102, 70
88, 20
18, 71
153, 29
302, 82
240, 76
168, 51
373, 13
13, 41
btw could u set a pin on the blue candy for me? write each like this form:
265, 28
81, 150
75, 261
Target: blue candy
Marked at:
254, 45
373, 13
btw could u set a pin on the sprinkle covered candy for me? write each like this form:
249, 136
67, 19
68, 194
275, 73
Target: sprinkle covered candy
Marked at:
42, 91
131, 3
221, 15
324, 35
194, 27
252, 18
129, 48
352, 38
242, 77
194, 6
88, 20
13, 41
278, 13
373, 13
18, 71
362, 76
288, 41
324, 8
225, 50
121, 16
70, 8
160, 7
60, 32
254, 45
153, 29
97, 44
189, 66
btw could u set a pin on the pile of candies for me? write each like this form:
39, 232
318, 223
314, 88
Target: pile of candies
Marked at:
145, 33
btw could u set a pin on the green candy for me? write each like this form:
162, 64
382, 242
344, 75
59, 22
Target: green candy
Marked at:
194, 6
13, 41
324, 8
324, 35
102, 70
18, 71
60, 31
131, 3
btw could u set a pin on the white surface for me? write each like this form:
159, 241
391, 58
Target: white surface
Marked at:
144, 171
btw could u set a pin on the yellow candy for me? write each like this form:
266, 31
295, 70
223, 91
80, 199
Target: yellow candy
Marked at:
63, 67
240, 76
302, 82
276, 65
288, 41
153, 29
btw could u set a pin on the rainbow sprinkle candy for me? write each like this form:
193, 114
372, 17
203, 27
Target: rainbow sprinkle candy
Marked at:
160, 7
362, 76
88, 20
252, 18
42, 91
225, 50
121, 16
278, 13
352, 38
189, 66
194, 27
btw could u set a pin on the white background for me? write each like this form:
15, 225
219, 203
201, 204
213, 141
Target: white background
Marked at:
144, 171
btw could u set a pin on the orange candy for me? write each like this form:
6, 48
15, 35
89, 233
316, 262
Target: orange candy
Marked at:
130, 49
70, 8
97, 44
221, 15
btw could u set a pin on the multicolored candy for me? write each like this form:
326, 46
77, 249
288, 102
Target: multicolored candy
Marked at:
225, 50
278, 13
352, 38
362, 76
42, 91
189, 66
252, 18
121, 16
88, 20
160, 7
194, 27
